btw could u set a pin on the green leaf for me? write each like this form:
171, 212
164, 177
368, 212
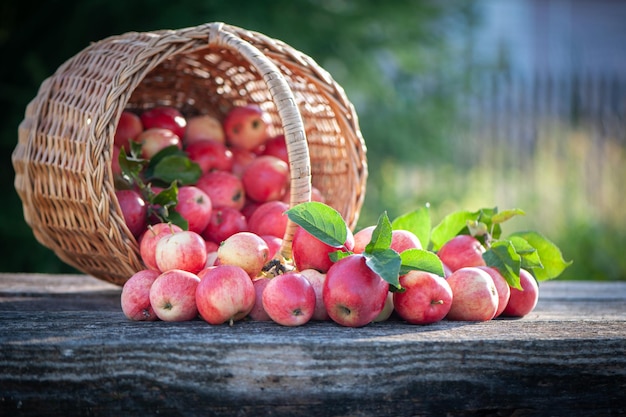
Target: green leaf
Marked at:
320, 220
381, 236
530, 257
386, 263
175, 218
338, 255
422, 260
549, 254
176, 168
505, 215
502, 256
168, 197
451, 225
131, 166
418, 222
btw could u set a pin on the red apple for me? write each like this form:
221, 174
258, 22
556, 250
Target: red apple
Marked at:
224, 188
289, 299
184, 250
173, 295
210, 155
211, 253
266, 178
523, 301
354, 294
427, 298
475, 297
149, 240
245, 250
247, 127
241, 159
115, 162
462, 251
311, 253
134, 210
277, 147
156, 139
274, 243
258, 312
225, 294
269, 219
164, 117
317, 280
128, 128
195, 206
504, 291
203, 127
224, 222
135, 298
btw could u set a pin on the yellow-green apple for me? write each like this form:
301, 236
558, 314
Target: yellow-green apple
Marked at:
401, 240
224, 188
258, 313
156, 139
426, 299
462, 251
184, 250
135, 298
224, 222
475, 297
266, 178
225, 294
173, 295
134, 210
128, 128
289, 299
245, 250
317, 279
247, 127
387, 310
195, 206
149, 240
354, 294
203, 127
311, 253
504, 290
269, 219
522, 302
210, 155
164, 117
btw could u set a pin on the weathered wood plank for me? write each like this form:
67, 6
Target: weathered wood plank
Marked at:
70, 351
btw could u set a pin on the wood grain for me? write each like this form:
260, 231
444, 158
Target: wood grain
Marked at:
66, 349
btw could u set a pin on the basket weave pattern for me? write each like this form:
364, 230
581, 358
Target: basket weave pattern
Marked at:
63, 156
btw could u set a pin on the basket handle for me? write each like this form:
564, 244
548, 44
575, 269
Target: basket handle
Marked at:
293, 126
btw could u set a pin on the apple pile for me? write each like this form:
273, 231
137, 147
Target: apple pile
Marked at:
207, 200
205, 175
379, 272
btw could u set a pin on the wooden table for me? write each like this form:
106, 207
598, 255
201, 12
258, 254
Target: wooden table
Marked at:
67, 349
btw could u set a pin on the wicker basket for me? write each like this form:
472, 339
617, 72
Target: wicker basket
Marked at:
63, 157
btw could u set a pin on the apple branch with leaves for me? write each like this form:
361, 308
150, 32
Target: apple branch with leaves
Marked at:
529, 250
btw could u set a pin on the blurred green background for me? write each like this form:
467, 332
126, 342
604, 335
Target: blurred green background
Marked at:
463, 104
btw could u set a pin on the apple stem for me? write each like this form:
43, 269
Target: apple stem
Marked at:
437, 302
231, 322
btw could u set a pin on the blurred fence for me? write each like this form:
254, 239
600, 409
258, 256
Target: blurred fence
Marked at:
559, 134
